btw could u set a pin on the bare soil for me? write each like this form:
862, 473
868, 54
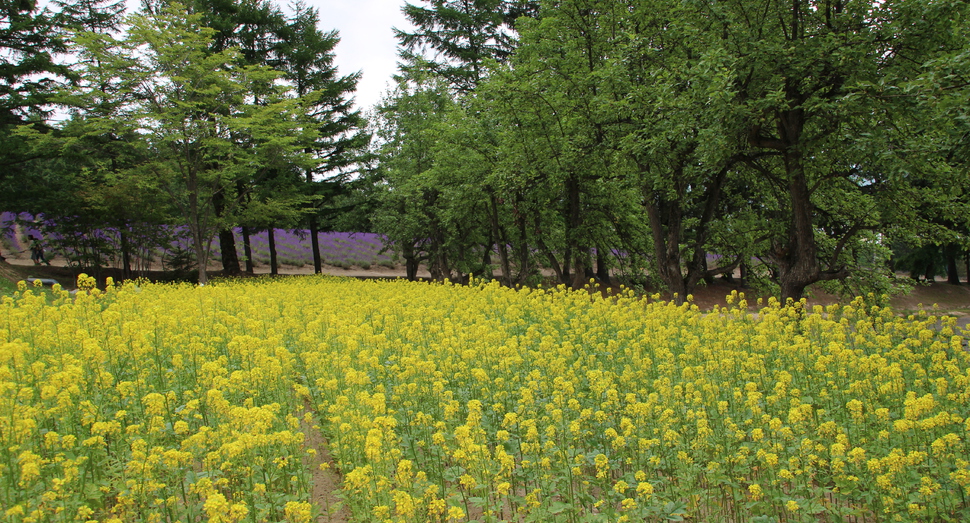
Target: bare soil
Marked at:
950, 299
326, 479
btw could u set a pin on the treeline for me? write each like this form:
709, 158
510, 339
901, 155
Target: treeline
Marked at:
802, 141
799, 142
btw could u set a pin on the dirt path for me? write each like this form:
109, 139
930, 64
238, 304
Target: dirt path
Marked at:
376, 271
326, 480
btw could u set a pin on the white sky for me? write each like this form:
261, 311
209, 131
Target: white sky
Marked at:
367, 43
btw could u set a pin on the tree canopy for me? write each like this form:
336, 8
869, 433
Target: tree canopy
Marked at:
659, 141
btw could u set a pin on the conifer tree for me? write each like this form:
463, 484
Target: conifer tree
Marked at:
454, 38
33, 37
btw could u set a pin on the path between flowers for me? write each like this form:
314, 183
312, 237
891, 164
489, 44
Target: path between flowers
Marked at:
326, 481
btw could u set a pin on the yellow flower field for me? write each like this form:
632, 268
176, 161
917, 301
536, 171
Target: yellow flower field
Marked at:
481, 403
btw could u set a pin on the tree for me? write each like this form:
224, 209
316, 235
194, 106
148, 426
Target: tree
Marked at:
812, 140
254, 28
409, 213
306, 58
195, 107
562, 134
674, 119
461, 35
33, 37
940, 88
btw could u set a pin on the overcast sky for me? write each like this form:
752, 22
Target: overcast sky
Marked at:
367, 43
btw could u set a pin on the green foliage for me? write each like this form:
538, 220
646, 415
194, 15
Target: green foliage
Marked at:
34, 38
197, 110
799, 139
462, 36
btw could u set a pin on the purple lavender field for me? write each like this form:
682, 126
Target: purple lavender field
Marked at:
343, 249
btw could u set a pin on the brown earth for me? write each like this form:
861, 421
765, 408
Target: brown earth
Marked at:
951, 299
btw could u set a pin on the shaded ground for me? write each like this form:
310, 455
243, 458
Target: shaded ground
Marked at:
952, 299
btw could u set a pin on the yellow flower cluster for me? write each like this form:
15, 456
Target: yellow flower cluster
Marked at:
455, 403
147, 403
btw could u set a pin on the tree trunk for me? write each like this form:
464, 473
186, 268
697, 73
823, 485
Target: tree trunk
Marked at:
487, 259
666, 246
314, 231
707, 277
579, 273
522, 250
125, 253
574, 221
227, 240
553, 262
196, 227
273, 267
499, 240
315, 248
798, 265
967, 263
248, 250
602, 269
952, 276
588, 272
410, 262
230, 258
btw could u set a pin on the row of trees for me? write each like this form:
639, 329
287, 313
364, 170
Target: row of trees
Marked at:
209, 115
800, 140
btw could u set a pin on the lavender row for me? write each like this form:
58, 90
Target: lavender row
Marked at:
293, 247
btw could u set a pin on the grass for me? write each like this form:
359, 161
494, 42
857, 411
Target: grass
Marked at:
7, 287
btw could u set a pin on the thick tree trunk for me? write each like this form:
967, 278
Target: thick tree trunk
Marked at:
315, 248
579, 274
952, 275
410, 262
230, 258
602, 268
248, 250
273, 267
798, 265
227, 240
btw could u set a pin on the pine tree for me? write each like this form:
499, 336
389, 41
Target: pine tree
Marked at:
32, 36
460, 36
306, 59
